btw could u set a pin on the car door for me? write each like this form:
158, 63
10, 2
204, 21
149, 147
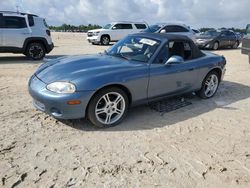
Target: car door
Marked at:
232, 37
224, 39
121, 30
174, 78
15, 31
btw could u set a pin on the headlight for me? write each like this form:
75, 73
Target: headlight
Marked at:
61, 87
96, 33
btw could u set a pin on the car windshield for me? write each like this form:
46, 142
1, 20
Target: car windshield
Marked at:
134, 48
108, 26
152, 29
211, 33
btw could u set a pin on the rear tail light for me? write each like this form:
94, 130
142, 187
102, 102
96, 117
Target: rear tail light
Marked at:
48, 32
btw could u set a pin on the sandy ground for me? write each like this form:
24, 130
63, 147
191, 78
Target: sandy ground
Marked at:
206, 144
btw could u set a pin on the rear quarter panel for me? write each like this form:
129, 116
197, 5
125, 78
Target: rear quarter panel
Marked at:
206, 64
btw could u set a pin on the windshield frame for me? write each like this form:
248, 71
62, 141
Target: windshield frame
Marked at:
106, 26
129, 58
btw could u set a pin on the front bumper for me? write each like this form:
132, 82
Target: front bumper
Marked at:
204, 45
93, 39
50, 47
56, 104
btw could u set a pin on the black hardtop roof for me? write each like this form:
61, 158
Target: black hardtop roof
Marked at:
163, 36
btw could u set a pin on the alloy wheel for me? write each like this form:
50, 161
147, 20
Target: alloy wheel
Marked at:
110, 108
211, 85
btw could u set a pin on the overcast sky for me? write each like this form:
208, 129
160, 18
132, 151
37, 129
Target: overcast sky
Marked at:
196, 13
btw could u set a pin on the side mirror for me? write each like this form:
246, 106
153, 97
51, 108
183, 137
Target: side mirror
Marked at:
114, 28
175, 60
163, 31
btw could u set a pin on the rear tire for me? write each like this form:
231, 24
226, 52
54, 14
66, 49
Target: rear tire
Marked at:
236, 45
209, 85
108, 107
35, 51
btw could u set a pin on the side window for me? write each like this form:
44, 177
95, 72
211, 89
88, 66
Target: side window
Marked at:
162, 57
140, 26
11, 22
31, 20
175, 28
180, 48
117, 26
1, 21
122, 26
126, 26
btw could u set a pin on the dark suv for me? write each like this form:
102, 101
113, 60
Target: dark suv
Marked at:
24, 33
246, 42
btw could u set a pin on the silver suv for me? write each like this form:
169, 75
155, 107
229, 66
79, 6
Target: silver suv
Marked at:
24, 33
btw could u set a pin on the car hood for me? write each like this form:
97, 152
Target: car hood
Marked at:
97, 30
74, 67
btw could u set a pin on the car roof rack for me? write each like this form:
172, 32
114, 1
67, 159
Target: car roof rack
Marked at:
21, 13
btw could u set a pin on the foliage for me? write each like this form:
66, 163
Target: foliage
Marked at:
72, 28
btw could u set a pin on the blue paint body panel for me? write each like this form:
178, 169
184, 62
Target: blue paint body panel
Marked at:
144, 81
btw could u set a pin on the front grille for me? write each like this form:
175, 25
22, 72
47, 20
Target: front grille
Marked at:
90, 34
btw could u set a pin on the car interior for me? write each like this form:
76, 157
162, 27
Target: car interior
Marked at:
180, 48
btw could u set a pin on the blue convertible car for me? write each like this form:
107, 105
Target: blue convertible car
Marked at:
138, 69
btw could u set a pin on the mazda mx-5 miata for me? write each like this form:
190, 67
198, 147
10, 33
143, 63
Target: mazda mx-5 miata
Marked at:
138, 69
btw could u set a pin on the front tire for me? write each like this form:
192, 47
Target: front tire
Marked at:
35, 51
209, 86
108, 107
105, 40
216, 46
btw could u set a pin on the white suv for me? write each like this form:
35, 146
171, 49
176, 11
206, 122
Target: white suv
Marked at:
114, 31
24, 33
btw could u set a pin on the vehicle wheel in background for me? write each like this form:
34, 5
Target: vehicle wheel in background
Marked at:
105, 40
35, 51
216, 46
236, 45
209, 86
108, 107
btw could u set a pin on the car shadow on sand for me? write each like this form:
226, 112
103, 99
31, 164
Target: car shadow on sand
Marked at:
144, 118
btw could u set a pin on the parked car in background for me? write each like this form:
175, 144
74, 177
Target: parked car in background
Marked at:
196, 31
24, 33
239, 36
114, 32
142, 67
246, 42
171, 28
215, 39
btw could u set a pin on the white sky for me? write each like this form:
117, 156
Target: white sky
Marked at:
196, 13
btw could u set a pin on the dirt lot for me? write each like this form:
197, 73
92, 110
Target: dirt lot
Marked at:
206, 144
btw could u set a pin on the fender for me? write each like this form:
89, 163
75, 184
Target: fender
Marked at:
48, 47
